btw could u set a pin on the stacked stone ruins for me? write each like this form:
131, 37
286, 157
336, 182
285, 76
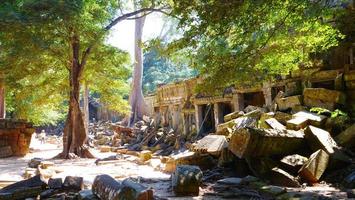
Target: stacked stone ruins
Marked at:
15, 137
179, 107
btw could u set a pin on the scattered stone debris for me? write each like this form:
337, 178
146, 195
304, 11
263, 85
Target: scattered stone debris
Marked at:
257, 153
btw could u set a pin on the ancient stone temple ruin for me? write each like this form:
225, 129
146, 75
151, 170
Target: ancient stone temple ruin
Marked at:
15, 137
178, 106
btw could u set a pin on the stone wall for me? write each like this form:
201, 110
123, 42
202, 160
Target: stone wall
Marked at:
15, 137
178, 106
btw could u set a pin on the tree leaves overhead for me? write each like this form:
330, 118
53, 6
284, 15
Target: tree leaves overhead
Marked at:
249, 41
35, 55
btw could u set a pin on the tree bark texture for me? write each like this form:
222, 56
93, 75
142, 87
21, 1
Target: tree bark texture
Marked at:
136, 99
2, 102
74, 137
86, 108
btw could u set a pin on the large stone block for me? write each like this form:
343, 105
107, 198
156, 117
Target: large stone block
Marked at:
320, 139
264, 142
324, 98
288, 102
5, 152
314, 168
186, 180
105, 187
347, 137
213, 144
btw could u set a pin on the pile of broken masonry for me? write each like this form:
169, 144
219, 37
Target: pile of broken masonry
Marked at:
289, 147
254, 154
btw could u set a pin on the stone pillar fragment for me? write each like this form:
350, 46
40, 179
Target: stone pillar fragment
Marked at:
199, 117
267, 95
238, 102
218, 114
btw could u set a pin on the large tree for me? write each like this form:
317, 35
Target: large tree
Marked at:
55, 36
248, 41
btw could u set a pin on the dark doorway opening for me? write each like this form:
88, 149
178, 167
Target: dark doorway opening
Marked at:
208, 123
254, 99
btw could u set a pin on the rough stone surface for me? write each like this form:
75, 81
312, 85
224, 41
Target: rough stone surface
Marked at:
74, 183
324, 98
280, 177
55, 183
35, 162
87, 195
313, 169
313, 119
213, 144
288, 102
319, 139
264, 142
5, 152
186, 180
297, 123
17, 135
233, 115
105, 187
274, 124
347, 137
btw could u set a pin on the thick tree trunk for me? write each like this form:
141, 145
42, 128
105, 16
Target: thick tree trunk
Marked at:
74, 137
136, 98
2, 102
86, 108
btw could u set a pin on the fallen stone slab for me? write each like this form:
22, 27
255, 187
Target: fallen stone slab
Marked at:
297, 123
241, 122
314, 168
287, 103
213, 144
320, 139
324, 98
28, 188
293, 163
347, 138
230, 181
274, 124
204, 161
105, 187
313, 119
186, 180
55, 183
233, 115
280, 177
282, 117
265, 142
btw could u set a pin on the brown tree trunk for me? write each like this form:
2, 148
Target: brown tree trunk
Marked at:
74, 136
2, 102
86, 108
136, 99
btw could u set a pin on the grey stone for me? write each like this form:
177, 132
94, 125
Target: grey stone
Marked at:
73, 183
230, 181
34, 162
87, 195
55, 183
186, 180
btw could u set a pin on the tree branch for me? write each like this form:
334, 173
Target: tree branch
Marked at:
134, 13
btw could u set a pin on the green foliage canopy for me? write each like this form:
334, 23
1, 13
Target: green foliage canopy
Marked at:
249, 41
35, 54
